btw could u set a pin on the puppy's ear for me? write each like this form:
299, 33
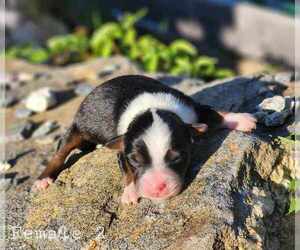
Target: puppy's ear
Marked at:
116, 143
199, 127
197, 130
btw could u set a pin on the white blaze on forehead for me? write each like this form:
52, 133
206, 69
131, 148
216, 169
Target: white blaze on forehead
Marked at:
157, 139
146, 101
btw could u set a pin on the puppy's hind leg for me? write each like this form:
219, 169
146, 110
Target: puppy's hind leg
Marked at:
216, 119
72, 139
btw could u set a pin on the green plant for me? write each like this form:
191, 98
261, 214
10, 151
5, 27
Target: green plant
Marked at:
294, 200
179, 57
73, 47
290, 139
29, 53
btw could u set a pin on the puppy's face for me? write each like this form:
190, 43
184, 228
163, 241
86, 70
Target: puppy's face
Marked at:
157, 148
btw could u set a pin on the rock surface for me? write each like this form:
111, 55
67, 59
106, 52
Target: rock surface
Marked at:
236, 193
224, 191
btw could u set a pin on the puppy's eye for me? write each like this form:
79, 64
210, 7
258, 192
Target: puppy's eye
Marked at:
173, 156
135, 159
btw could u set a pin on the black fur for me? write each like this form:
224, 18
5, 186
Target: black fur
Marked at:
99, 113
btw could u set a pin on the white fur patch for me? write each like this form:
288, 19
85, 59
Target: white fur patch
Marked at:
157, 139
147, 101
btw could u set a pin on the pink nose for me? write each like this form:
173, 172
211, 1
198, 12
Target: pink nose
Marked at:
161, 187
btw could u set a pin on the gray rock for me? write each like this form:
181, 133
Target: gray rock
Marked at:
45, 129
25, 76
276, 118
213, 204
5, 183
8, 101
108, 70
14, 84
284, 77
83, 89
275, 110
241, 94
23, 113
4, 166
274, 104
41, 100
20, 131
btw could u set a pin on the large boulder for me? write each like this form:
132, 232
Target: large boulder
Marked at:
228, 197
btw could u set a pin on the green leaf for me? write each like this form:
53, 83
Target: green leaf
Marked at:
107, 32
223, 73
130, 37
67, 43
129, 19
294, 205
183, 66
294, 184
134, 52
107, 49
204, 66
147, 42
12, 52
29, 53
151, 63
181, 46
38, 56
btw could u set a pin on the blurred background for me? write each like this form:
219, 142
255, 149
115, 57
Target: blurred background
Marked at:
244, 36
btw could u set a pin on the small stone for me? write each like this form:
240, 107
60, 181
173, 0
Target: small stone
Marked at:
25, 77
42, 75
4, 166
23, 113
276, 103
20, 131
275, 110
14, 85
267, 78
5, 183
8, 101
83, 89
41, 100
108, 70
45, 129
284, 77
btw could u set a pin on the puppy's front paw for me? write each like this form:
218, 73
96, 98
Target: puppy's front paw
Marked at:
240, 121
41, 184
130, 195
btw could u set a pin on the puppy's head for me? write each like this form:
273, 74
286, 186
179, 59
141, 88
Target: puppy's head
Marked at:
157, 148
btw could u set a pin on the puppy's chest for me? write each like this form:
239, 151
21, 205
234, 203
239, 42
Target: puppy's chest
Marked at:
165, 101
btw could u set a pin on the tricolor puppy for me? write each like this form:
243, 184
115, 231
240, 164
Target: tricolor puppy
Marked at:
150, 125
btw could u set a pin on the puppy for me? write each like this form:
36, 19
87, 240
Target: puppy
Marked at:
152, 127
